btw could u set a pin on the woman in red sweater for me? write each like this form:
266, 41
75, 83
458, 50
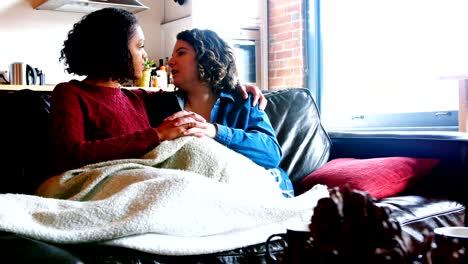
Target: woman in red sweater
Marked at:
95, 120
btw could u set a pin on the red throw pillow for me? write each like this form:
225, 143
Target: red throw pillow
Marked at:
380, 177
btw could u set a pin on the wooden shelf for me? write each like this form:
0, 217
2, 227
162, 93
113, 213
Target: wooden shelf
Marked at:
32, 87
8, 87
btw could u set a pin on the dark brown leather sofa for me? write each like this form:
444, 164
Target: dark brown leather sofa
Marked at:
437, 200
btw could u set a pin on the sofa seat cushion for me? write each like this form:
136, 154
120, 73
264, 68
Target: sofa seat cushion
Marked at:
99, 253
414, 213
417, 214
20, 249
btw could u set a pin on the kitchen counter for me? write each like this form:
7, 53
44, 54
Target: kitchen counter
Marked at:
8, 87
32, 87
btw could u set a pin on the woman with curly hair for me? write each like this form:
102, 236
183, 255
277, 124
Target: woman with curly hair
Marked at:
95, 119
204, 71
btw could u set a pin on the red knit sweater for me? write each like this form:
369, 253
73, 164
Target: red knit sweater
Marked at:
91, 124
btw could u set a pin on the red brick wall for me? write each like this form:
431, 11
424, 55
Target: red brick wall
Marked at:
286, 31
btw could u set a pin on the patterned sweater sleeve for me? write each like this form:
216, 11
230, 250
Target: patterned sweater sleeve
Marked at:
71, 147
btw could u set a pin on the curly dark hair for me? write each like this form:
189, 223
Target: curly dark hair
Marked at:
97, 46
215, 58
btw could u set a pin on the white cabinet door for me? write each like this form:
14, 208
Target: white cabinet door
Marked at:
169, 32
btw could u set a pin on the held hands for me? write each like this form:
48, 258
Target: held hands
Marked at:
184, 123
176, 125
202, 130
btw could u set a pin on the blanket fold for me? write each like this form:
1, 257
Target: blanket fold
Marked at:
187, 196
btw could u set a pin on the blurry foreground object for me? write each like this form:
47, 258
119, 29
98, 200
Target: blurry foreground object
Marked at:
348, 227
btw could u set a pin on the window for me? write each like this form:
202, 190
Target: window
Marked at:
386, 65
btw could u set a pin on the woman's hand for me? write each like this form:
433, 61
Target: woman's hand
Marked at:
202, 130
177, 124
244, 89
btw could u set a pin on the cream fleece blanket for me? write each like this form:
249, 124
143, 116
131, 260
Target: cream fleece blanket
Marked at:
187, 196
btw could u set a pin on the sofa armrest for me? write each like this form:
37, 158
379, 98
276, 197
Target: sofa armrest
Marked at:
447, 179
443, 145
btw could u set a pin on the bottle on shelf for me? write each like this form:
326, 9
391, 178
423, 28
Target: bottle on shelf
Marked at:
168, 70
162, 77
154, 79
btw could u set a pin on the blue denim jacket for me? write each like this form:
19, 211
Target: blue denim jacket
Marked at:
243, 128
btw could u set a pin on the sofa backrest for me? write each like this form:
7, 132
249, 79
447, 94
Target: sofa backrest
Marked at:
24, 140
296, 120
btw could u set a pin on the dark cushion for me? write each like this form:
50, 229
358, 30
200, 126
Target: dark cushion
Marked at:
296, 120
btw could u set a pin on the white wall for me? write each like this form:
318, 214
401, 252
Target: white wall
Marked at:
36, 36
150, 20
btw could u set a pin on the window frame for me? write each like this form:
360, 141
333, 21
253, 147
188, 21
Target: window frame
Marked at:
446, 120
